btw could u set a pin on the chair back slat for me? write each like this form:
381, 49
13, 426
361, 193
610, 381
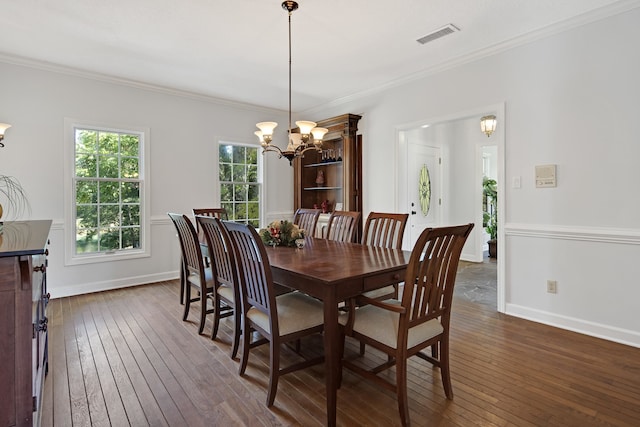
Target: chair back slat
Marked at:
220, 213
219, 249
307, 220
342, 226
191, 252
254, 271
431, 274
385, 230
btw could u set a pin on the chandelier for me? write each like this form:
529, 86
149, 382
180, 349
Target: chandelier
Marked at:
310, 136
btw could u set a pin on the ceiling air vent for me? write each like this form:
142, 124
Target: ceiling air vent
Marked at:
441, 32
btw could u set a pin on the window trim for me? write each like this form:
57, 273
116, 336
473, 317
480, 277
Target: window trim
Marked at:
71, 258
261, 173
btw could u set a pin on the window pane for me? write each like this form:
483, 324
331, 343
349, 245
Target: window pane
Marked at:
253, 193
108, 143
108, 167
225, 153
86, 192
241, 211
130, 215
130, 192
86, 141
252, 173
86, 216
239, 173
226, 192
109, 239
86, 166
239, 154
225, 172
130, 145
131, 238
254, 210
240, 192
109, 192
109, 215
130, 167
252, 156
86, 241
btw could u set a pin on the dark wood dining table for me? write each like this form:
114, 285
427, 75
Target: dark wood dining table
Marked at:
333, 272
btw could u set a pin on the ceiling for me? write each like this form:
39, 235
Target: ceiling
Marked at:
237, 50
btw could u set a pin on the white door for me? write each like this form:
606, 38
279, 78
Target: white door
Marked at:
425, 185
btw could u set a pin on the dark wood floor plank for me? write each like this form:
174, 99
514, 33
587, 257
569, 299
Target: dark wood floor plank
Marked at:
95, 398
505, 371
109, 390
154, 374
141, 387
122, 401
77, 393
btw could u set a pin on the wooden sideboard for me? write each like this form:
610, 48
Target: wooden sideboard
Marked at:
23, 320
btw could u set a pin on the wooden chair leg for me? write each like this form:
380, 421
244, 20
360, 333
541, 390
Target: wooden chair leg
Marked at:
362, 349
183, 282
203, 310
216, 316
401, 386
187, 302
444, 368
237, 332
274, 370
246, 344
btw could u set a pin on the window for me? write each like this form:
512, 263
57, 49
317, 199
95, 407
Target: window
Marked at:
240, 183
107, 194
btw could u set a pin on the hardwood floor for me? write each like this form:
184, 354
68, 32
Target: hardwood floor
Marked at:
125, 357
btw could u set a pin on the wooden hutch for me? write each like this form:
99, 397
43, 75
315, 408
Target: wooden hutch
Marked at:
335, 175
23, 321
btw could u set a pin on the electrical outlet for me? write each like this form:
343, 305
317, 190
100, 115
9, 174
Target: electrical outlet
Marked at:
552, 286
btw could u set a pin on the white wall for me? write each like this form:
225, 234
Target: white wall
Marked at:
571, 99
183, 157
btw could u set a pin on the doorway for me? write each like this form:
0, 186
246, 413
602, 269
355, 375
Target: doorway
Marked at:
465, 156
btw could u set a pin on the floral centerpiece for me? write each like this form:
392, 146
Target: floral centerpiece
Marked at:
281, 233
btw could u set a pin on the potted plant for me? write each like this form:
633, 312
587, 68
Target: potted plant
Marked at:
490, 214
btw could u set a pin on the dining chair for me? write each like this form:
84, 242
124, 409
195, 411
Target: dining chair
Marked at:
194, 274
307, 219
402, 329
212, 212
342, 226
278, 320
384, 230
226, 296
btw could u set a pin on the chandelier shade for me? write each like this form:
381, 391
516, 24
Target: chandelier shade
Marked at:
310, 136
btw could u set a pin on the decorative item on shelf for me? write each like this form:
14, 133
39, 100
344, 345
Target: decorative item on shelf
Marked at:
300, 142
325, 206
488, 124
3, 128
281, 233
320, 178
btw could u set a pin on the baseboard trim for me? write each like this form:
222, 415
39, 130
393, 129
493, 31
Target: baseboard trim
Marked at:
610, 333
69, 291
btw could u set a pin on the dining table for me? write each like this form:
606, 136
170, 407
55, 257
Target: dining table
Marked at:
332, 272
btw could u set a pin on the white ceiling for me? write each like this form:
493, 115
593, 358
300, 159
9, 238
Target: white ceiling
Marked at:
237, 50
